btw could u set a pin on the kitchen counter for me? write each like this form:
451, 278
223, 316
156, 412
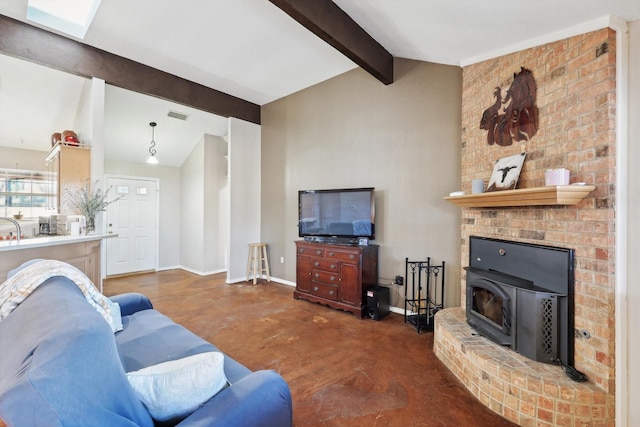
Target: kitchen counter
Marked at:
39, 242
83, 252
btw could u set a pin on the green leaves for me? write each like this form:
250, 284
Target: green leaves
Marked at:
90, 203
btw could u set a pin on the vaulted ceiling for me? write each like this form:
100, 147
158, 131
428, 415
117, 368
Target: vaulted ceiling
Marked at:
255, 50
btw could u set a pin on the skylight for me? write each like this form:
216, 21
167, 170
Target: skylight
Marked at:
71, 17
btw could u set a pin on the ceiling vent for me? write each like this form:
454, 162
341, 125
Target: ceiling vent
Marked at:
176, 115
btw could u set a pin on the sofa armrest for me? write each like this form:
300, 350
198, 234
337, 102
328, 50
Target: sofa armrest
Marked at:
131, 303
261, 399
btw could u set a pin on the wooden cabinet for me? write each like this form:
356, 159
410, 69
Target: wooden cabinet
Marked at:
336, 275
72, 165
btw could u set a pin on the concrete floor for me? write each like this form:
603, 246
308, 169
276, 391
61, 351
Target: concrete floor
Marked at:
342, 371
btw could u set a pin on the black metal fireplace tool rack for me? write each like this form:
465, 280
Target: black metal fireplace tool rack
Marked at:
423, 293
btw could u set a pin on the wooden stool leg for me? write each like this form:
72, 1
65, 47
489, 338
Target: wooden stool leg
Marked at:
255, 264
266, 262
249, 262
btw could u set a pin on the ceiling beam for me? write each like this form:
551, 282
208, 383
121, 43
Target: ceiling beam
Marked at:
326, 20
30, 43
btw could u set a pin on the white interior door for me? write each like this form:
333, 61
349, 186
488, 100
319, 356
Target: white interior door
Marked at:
134, 219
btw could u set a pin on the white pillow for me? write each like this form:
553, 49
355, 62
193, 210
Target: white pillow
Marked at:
176, 388
116, 315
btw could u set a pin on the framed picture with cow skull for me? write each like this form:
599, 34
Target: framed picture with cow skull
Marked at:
506, 172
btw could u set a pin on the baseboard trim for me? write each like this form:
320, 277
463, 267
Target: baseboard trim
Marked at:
174, 267
284, 282
273, 279
190, 270
397, 310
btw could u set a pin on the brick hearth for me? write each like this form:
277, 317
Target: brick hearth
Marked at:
524, 391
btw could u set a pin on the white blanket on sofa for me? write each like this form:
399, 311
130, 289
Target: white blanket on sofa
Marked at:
18, 287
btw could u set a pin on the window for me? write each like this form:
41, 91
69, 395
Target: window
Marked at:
31, 193
71, 17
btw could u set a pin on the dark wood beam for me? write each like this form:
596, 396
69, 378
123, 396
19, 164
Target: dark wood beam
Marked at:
33, 44
326, 20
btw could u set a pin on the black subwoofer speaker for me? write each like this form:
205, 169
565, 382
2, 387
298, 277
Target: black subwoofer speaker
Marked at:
377, 302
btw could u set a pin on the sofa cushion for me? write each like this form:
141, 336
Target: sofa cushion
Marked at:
261, 399
149, 337
173, 390
59, 364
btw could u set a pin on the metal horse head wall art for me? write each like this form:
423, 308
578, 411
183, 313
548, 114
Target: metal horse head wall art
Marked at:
516, 116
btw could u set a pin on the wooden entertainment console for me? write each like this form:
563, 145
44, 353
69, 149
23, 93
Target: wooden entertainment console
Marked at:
336, 275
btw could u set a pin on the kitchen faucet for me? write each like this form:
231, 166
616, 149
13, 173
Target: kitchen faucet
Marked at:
17, 224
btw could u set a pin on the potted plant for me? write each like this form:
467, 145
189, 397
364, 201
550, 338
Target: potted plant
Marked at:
90, 203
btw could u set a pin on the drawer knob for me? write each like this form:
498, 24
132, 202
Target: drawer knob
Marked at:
333, 266
317, 275
316, 263
318, 252
315, 289
301, 250
332, 292
330, 253
333, 278
352, 256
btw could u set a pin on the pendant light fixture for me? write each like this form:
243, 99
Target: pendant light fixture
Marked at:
152, 151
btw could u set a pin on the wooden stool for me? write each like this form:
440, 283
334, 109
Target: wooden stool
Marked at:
258, 261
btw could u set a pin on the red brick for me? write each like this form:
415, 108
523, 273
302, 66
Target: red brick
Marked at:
602, 254
545, 415
564, 407
527, 409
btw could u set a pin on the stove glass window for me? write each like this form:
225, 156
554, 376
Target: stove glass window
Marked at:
488, 305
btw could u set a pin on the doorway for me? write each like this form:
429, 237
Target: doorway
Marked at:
134, 218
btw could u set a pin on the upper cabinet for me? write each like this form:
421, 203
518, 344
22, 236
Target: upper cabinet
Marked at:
72, 166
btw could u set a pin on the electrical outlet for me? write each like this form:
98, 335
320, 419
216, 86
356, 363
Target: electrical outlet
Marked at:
399, 280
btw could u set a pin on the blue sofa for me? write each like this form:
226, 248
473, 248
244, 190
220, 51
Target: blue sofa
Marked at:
61, 365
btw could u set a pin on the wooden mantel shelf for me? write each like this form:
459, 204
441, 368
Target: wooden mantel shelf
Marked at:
537, 196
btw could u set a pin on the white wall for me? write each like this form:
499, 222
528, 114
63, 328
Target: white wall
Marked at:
12, 158
216, 224
89, 125
192, 209
204, 229
631, 396
244, 194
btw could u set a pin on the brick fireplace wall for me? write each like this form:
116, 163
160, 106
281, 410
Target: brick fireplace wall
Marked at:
576, 81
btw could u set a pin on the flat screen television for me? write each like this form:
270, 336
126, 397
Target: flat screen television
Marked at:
344, 213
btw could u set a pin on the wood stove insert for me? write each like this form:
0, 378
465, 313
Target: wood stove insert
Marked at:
521, 295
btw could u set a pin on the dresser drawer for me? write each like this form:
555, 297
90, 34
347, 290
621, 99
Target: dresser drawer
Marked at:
325, 277
342, 255
325, 291
324, 265
309, 251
